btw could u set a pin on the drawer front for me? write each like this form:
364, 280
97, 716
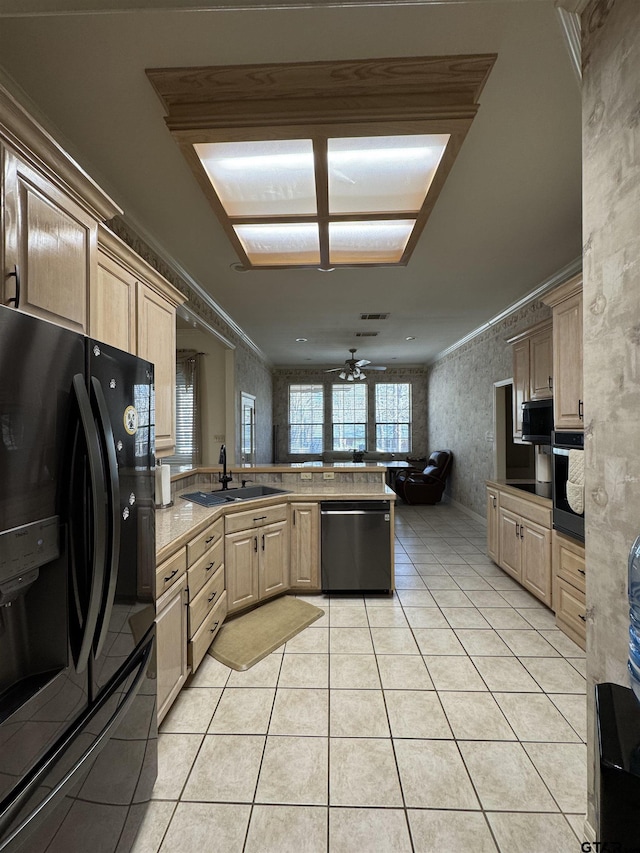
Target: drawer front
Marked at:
205, 568
206, 540
569, 562
571, 612
248, 519
204, 636
170, 571
205, 601
527, 509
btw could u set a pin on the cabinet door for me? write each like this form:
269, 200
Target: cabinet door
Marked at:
241, 569
536, 560
171, 644
52, 242
157, 343
112, 309
567, 364
274, 559
541, 365
493, 528
305, 546
510, 546
520, 383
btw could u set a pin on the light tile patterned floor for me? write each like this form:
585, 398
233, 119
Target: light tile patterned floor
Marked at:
449, 718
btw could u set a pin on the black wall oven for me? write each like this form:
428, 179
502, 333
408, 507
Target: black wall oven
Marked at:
565, 520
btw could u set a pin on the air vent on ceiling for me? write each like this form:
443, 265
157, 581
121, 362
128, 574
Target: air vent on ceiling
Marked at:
374, 316
367, 334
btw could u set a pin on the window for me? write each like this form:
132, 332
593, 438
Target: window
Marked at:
188, 430
349, 417
393, 417
306, 418
184, 415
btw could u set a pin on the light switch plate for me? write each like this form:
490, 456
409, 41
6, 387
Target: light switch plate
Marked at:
306, 475
328, 475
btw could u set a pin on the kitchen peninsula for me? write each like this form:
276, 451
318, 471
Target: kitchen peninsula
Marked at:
216, 561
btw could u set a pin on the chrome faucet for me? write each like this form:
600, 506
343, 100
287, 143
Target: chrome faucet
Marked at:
224, 478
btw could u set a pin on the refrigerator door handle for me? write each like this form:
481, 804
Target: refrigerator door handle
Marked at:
112, 555
140, 662
98, 492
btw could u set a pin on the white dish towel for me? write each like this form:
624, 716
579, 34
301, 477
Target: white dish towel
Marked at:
575, 481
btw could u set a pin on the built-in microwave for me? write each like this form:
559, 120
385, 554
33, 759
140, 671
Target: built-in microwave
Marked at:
537, 421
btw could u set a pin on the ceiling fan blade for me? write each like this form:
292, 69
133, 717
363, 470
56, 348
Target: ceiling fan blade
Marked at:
374, 367
362, 362
334, 369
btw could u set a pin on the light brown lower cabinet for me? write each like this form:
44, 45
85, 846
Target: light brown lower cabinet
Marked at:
519, 535
200, 641
569, 594
257, 564
493, 526
305, 546
171, 644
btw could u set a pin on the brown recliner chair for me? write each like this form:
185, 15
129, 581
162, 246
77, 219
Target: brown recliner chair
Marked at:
425, 487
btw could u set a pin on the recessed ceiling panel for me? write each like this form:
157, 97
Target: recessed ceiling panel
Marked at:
278, 245
382, 174
267, 178
381, 242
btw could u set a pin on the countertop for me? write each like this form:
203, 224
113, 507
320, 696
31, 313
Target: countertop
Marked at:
289, 467
514, 488
177, 524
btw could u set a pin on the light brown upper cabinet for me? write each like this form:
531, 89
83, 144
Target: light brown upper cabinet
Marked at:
113, 304
532, 368
50, 214
134, 308
568, 398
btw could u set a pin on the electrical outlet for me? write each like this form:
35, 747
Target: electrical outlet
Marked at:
306, 475
328, 475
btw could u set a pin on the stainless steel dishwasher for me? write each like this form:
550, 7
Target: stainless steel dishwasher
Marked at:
356, 542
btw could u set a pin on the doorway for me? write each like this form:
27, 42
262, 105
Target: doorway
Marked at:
513, 460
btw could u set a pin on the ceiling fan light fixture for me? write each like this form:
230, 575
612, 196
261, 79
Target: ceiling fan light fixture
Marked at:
342, 375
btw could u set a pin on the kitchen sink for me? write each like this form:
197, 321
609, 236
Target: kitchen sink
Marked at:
248, 492
221, 496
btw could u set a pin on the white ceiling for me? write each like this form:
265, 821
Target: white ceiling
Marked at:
508, 219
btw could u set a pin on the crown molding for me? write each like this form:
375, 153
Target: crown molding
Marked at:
570, 271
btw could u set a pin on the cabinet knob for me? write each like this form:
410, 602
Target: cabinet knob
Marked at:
212, 596
173, 573
581, 410
582, 571
210, 539
517, 530
551, 383
584, 618
210, 566
213, 630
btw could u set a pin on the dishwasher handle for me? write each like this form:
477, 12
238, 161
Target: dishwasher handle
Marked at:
353, 511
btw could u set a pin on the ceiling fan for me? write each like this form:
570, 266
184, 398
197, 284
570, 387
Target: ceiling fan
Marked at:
352, 368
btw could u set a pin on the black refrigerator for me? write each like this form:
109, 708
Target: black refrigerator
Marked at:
78, 731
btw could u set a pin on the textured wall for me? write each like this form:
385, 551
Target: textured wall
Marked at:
461, 403
611, 152
283, 377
